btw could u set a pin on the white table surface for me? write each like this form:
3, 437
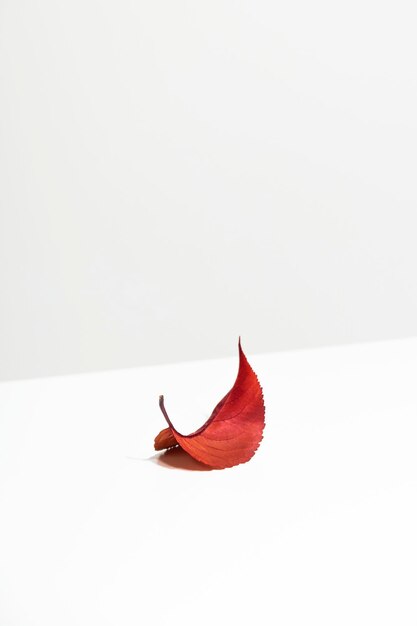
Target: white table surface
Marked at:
320, 527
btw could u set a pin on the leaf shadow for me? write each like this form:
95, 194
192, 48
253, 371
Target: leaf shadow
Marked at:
177, 458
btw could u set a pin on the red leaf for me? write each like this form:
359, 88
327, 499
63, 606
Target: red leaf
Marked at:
232, 433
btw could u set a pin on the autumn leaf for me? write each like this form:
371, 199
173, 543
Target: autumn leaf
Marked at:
232, 433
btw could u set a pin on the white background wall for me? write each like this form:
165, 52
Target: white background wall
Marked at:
173, 174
